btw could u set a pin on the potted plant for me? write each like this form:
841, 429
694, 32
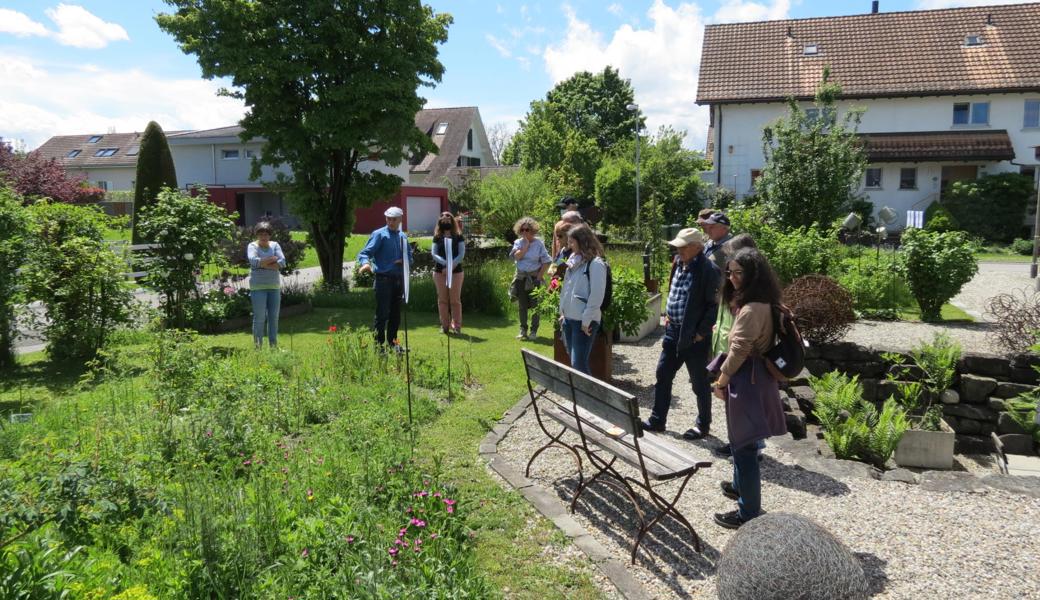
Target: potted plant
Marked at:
627, 312
931, 368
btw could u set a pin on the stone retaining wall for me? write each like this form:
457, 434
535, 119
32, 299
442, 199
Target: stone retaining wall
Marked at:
974, 407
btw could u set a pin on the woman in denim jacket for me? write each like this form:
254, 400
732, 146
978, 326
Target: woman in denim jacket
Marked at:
265, 284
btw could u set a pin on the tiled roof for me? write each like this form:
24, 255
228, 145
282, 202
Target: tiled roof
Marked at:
451, 143
219, 132
874, 55
60, 146
938, 145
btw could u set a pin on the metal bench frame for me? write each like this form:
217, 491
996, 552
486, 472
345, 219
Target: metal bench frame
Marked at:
592, 409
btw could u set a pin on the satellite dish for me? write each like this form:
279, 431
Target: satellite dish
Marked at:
852, 222
886, 215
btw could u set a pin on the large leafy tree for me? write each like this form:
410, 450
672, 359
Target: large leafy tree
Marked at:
581, 120
327, 84
813, 160
155, 170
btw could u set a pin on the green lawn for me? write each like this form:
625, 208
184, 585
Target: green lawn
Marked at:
1003, 257
949, 313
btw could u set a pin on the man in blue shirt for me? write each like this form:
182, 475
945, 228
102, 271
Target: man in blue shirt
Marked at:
383, 255
691, 311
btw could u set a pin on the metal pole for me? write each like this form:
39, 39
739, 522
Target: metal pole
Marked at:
639, 230
1036, 231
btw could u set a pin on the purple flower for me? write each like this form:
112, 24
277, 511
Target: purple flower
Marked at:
392, 551
418, 522
305, 553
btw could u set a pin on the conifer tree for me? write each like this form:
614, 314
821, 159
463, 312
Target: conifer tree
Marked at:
155, 171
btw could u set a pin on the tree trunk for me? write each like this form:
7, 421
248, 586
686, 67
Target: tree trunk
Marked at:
329, 241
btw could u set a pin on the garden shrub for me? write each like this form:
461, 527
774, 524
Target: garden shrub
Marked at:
234, 247
627, 309
922, 377
188, 230
875, 284
15, 230
936, 266
1022, 247
504, 198
992, 206
794, 253
822, 308
938, 218
78, 278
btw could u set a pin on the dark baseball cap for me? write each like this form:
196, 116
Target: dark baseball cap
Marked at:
717, 219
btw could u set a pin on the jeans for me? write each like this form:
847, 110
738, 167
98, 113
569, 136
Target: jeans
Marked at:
578, 343
389, 292
449, 298
747, 480
695, 358
266, 304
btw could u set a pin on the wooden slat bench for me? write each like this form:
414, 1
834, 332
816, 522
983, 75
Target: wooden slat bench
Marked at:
606, 420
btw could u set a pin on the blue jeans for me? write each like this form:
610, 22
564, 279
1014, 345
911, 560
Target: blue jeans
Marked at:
695, 358
747, 480
578, 343
266, 304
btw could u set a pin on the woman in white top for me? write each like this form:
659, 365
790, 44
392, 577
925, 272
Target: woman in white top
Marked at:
584, 286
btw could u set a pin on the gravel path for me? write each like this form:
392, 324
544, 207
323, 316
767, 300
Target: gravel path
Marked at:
913, 543
992, 279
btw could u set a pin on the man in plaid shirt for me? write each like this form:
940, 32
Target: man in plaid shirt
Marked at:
690, 315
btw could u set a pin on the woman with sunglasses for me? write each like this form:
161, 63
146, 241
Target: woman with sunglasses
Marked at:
532, 259
449, 300
752, 394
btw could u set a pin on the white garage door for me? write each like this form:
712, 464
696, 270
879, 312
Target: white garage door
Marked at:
422, 213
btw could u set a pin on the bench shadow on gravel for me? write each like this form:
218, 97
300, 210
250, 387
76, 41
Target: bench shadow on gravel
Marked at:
667, 547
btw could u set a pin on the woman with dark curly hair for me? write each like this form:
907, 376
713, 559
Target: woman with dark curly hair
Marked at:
751, 393
449, 300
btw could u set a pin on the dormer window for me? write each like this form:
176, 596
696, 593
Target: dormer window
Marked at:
811, 50
106, 152
442, 128
973, 40
94, 139
72, 154
133, 151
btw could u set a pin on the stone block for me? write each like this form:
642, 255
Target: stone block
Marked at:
966, 426
901, 475
796, 425
1028, 486
950, 397
1010, 390
976, 389
870, 389
987, 428
1025, 361
970, 411
982, 364
845, 352
951, 481
1015, 443
1024, 375
1007, 424
871, 369
805, 396
973, 444
818, 367
997, 404
886, 388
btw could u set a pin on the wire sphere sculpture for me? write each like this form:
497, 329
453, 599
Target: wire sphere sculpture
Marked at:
822, 308
1016, 321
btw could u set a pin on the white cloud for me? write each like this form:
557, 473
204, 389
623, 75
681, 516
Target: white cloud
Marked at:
42, 101
80, 28
732, 11
12, 21
662, 59
928, 4
616, 9
498, 45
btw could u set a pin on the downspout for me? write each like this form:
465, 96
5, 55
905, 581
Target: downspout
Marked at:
718, 150
213, 156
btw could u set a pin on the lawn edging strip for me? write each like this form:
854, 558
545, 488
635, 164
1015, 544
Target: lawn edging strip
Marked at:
551, 508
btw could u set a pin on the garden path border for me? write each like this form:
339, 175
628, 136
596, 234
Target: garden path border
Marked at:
551, 508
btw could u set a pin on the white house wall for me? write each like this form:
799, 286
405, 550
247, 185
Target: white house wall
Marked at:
738, 148
116, 178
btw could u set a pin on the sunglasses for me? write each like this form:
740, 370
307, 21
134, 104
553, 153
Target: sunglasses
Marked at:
525, 229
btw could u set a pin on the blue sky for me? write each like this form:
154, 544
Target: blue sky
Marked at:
100, 65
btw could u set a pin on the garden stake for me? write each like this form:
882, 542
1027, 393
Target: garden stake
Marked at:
407, 360
448, 252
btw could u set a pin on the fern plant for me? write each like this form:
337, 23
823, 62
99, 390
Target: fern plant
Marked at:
936, 363
853, 427
886, 432
837, 396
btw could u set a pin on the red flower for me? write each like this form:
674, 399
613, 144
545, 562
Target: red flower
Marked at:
332, 328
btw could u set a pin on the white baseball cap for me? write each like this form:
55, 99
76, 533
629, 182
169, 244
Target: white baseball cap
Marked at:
394, 212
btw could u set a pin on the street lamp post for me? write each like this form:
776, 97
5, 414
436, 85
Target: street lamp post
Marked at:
635, 108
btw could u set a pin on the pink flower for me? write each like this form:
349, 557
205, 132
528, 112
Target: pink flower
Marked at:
209, 433
421, 494
451, 505
393, 563
433, 536
350, 539
392, 551
418, 522
402, 531
305, 553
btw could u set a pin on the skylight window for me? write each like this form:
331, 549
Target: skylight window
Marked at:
94, 139
973, 40
72, 154
811, 49
442, 128
133, 150
106, 152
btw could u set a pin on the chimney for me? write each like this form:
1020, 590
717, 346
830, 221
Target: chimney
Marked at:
874, 7
989, 19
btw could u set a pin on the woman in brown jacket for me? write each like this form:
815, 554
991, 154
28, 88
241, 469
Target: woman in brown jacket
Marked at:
752, 395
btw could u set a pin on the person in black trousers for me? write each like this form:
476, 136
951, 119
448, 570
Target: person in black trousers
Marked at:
691, 311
